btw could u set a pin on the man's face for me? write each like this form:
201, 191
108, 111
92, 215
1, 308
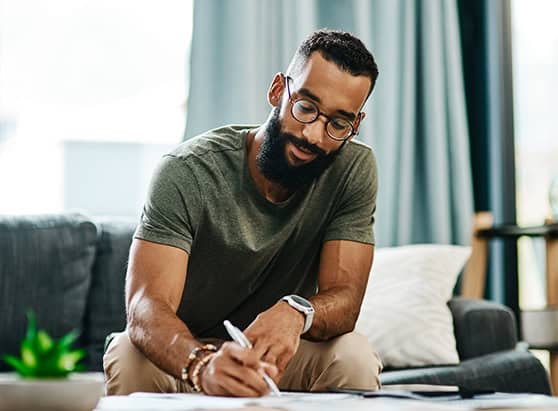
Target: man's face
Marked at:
274, 163
293, 154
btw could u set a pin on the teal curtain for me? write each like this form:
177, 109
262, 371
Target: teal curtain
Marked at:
487, 54
416, 118
237, 47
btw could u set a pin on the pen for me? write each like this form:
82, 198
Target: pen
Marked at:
239, 337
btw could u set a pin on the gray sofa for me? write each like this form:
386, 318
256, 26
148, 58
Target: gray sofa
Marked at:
70, 269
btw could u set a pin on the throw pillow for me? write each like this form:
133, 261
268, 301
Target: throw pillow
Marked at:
404, 313
45, 265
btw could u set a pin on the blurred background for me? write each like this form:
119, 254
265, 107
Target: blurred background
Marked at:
463, 117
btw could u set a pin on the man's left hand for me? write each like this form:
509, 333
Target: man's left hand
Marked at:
275, 335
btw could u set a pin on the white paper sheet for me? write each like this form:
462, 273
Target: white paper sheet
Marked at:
318, 402
150, 401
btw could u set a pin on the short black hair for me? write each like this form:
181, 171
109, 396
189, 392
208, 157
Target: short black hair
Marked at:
340, 47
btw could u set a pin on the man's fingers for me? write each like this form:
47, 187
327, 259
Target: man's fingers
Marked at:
260, 348
249, 378
269, 369
229, 386
279, 356
239, 389
283, 361
244, 367
270, 357
229, 368
242, 355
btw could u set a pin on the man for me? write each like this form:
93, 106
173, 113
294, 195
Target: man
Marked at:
270, 227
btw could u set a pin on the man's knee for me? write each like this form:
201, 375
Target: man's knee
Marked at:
350, 362
127, 370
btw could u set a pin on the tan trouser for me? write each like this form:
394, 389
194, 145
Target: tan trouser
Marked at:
347, 361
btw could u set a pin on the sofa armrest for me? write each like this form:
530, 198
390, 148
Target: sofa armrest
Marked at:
508, 371
482, 327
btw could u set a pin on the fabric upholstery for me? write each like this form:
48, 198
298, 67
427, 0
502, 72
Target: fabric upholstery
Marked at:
482, 327
509, 371
45, 265
105, 305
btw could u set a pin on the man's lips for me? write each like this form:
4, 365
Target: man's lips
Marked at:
301, 153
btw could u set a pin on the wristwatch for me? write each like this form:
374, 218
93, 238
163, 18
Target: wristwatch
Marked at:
303, 306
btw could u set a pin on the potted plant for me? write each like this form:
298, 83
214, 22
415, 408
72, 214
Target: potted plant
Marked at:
46, 374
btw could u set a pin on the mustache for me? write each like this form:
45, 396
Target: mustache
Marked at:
305, 145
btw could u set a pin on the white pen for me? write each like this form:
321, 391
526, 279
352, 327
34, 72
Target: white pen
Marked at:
239, 337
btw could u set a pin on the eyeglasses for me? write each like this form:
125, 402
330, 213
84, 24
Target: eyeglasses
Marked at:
306, 111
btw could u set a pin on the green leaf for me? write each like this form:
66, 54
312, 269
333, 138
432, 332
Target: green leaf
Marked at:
47, 367
43, 342
31, 326
17, 365
68, 360
64, 342
28, 355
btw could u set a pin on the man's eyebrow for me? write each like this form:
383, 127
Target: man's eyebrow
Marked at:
347, 114
307, 93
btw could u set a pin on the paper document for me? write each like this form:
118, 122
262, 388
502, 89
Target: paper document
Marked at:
320, 402
174, 402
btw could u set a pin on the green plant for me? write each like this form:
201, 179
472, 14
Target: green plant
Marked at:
44, 357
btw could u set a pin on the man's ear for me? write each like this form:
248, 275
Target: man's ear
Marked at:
276, 89
356, 125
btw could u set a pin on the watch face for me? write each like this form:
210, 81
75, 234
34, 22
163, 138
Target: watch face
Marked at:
301, 301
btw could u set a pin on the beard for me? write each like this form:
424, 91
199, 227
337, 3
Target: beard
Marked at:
272, 159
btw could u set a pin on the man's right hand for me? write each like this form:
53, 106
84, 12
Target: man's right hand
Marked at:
236, 371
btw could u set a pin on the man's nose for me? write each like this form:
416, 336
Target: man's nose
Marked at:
314, 132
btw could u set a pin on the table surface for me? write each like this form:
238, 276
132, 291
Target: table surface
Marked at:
305, 402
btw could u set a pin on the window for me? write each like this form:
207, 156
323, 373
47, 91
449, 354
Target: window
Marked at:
77, 73
535, 64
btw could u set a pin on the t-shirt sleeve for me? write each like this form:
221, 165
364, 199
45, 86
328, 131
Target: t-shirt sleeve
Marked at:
353, 218
171, 211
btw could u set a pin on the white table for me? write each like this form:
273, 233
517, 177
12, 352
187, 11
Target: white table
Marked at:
323, 402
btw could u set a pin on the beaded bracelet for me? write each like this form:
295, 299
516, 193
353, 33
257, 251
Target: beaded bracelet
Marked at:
197, 370
192, 356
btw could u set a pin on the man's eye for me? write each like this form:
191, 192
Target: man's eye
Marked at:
306, 107
339, 124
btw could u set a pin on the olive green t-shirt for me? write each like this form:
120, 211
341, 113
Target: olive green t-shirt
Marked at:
245, 252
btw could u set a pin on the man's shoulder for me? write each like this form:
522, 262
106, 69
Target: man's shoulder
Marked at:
359, 146
223, 139
356, 152
355, 161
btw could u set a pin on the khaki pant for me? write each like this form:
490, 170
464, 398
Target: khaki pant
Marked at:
347, 361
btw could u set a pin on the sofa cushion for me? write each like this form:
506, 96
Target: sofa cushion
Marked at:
105, 305
404, 313
45, 265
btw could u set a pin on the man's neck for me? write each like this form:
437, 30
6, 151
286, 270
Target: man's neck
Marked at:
272, 191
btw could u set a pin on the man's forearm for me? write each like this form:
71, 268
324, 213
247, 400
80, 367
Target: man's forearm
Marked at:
336, 312
159, 334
